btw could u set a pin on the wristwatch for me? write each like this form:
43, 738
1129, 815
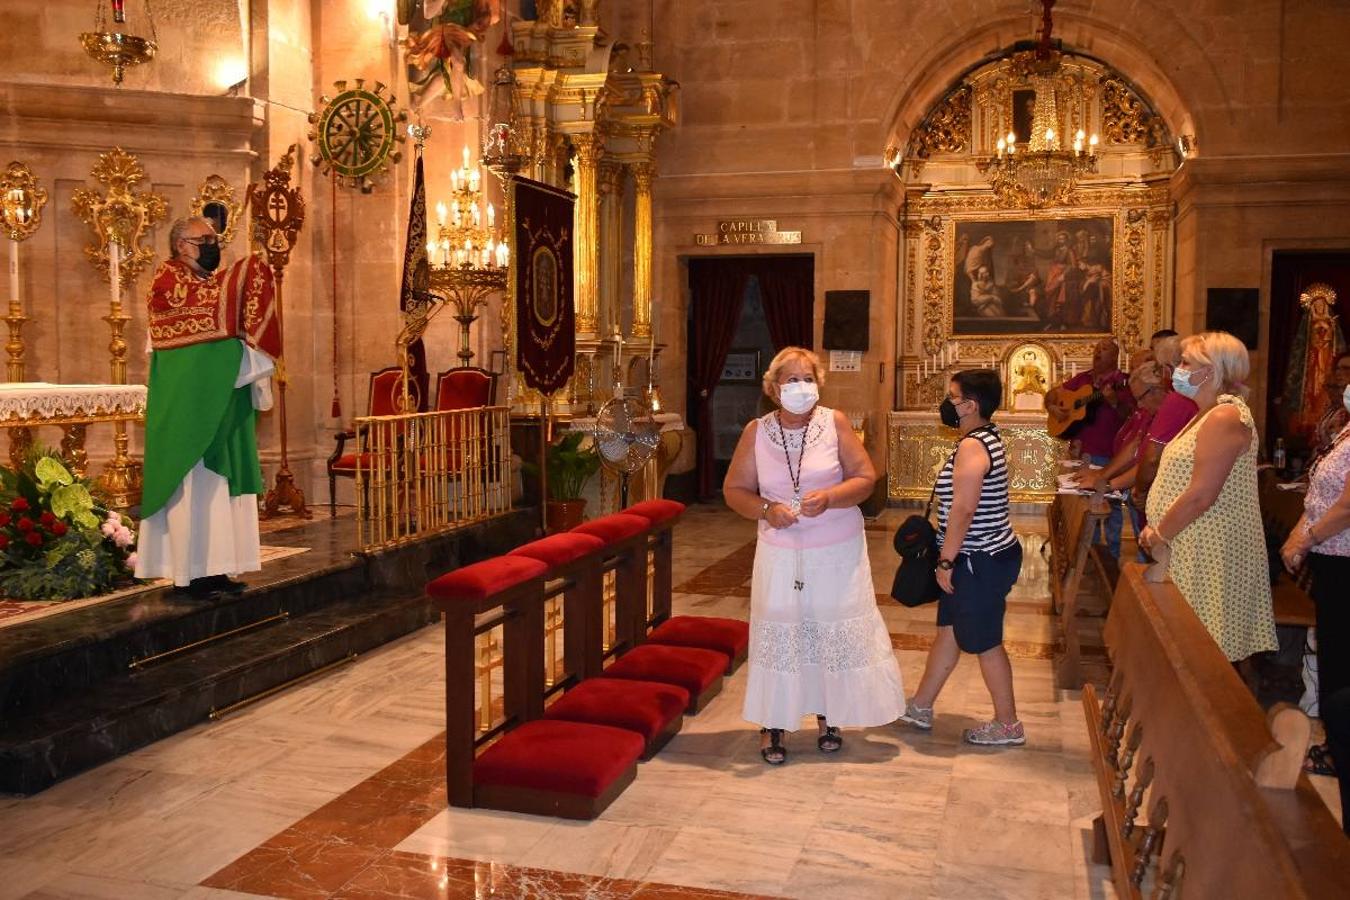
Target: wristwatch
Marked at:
946, 565
764, 510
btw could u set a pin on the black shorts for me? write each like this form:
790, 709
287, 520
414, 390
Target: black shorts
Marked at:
975, 610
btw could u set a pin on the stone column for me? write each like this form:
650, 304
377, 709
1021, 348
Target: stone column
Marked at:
589, 150
644, 173
611, 246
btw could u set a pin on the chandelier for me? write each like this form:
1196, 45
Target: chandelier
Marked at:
1045, 172
469, 259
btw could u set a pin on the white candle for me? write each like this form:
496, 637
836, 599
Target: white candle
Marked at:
1073, 369
115, 270
14, 273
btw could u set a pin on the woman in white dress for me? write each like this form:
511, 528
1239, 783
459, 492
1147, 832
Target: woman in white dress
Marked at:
817, 641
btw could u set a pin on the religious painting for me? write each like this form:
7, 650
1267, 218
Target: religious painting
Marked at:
1023, 114
1037, 276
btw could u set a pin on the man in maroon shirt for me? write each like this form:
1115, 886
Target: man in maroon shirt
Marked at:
1105, 417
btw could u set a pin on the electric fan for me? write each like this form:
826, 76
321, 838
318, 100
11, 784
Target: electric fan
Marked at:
627, 436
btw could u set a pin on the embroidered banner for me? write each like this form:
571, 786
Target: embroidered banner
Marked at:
414, 299
545, 319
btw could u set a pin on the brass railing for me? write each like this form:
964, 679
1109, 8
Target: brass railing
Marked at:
423, 473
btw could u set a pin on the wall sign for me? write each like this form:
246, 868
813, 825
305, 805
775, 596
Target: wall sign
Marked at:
748, 231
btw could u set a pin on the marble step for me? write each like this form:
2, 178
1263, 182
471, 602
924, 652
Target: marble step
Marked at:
119, 714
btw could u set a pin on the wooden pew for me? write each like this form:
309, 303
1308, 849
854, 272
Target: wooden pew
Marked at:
1072, 519
1202, 793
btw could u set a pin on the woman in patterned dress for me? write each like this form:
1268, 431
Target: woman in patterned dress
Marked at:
817, 641
1203, 503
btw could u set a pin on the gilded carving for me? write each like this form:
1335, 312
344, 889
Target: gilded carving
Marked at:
215, 201
1127, 119
947, 128
918, 448
123, 215
936, 308
1130, 306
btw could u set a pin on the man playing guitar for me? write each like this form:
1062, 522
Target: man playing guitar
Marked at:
1109, 405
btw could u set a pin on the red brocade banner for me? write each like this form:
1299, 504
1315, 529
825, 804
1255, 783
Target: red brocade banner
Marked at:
545, 319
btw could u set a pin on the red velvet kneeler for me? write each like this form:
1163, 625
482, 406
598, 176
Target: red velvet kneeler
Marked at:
728, 636
651, 709
579, 559
696, 670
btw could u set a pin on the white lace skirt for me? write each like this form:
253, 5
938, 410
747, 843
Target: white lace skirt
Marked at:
823, 648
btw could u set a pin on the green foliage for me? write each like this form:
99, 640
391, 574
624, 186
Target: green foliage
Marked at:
75, 565
570, 465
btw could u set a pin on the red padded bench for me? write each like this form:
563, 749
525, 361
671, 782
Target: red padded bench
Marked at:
651, 709
559, 768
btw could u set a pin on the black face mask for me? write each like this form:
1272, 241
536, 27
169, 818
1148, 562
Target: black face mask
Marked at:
208, 256
948, 414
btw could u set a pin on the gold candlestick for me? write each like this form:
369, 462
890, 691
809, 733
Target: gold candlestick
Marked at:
21, 202
120, 220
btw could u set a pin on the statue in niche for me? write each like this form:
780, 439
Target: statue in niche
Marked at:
1029, 372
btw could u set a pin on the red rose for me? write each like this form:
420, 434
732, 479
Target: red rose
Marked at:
47, 519
4, 519
34, 538
4, 541
25, 524
59, 529
19, 505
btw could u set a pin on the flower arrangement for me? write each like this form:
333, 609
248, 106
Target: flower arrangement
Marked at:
56, 541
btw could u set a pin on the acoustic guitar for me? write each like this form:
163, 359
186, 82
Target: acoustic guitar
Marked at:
1067, 411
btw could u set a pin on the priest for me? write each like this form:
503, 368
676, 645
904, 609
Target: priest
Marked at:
214, 336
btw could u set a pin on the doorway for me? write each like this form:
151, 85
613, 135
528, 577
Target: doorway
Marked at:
742, 310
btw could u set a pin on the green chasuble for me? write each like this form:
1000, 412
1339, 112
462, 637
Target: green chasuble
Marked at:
194, 412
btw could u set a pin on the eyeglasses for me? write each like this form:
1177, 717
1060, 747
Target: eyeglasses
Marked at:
208, 241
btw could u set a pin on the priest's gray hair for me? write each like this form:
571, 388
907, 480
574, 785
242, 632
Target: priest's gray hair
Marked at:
179, 228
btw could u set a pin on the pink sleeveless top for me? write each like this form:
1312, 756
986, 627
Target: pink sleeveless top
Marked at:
820, 468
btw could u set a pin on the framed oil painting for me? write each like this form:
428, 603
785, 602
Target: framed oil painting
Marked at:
1036, 276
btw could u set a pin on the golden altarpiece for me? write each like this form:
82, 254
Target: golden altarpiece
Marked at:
1017, 275
588, 116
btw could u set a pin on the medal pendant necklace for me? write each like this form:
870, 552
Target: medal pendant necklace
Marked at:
796, 476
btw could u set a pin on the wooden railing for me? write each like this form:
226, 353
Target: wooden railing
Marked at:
1202, 793
1072, 519
422, 473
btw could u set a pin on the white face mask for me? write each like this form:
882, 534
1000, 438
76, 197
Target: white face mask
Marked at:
1345, 398
798, 397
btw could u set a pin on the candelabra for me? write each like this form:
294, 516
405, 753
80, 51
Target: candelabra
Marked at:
21, 202
469, 259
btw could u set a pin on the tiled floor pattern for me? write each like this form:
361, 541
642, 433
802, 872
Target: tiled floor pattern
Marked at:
334, 789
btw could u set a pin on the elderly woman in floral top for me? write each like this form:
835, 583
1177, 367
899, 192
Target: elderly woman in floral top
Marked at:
1321, 540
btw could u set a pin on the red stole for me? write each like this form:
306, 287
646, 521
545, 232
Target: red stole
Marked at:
237, 301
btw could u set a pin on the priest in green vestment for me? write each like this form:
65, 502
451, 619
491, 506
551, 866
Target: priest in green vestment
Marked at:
214, 336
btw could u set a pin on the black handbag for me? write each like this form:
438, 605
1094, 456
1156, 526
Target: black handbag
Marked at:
916, 541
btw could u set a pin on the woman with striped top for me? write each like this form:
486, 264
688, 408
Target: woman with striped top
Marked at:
979, 560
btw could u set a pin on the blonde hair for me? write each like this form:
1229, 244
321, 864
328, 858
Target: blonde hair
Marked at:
1226, 354
785, 356
1168, 351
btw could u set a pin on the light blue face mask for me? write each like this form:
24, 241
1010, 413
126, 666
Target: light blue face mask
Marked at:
1345, 398
1181, 383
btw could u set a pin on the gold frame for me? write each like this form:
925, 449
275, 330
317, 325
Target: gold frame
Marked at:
122, 215
216, 189
19, 178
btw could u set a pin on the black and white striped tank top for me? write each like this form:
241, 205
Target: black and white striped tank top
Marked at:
990, 530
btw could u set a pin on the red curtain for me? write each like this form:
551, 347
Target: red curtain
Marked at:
787, 287
716, 289
1291, 274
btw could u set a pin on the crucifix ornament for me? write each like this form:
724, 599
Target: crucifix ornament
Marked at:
278, 211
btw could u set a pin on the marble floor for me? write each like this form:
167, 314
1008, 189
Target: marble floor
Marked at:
334, 789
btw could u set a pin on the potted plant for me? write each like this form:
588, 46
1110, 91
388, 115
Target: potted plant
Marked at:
569, 466
56, 541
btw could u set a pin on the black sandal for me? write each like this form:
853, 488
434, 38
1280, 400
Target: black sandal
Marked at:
830, 740
1318, 761
775, 754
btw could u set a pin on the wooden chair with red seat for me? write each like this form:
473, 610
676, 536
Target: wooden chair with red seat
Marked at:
466, 387
385, 399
